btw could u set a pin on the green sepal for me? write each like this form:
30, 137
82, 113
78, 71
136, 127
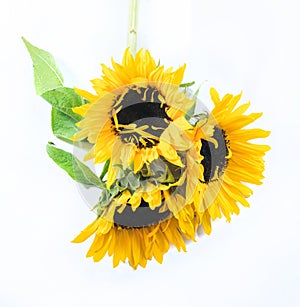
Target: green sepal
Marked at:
105, 169
76, 169
169, 178
47, 76
64, 99
104, 200
105, 197
195, 119
133, 181
114, 191
191, 111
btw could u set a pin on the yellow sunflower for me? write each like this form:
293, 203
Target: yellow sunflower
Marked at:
229, 160
137, 235
152, 212
137, 106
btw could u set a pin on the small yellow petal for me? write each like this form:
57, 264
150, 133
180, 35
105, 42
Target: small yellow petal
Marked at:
87, 232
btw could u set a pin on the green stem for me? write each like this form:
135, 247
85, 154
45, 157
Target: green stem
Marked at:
132, 27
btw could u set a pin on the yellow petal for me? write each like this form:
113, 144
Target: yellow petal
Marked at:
82, 109
214, 96
169, 153
90, 97
87, 232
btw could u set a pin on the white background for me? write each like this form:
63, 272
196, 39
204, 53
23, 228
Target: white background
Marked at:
235, 45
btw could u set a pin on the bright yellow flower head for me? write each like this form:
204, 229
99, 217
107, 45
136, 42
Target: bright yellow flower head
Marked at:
138, 235
230, 160
136, 115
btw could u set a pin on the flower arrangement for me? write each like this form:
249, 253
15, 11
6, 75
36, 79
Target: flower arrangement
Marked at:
166, 171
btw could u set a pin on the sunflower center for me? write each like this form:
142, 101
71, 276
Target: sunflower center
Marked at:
143, 216
214, 161
139, 116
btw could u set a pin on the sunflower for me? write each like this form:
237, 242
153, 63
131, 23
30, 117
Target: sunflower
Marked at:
229, 160
151, 212
144, 213
137, 106
137, 235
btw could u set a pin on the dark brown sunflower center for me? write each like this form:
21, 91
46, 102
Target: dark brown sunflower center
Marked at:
140, 116
214, 161
143, 216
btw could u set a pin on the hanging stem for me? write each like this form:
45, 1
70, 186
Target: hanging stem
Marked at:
132, 27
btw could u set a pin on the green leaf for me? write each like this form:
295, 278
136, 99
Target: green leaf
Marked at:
187, 84
64, 99
76, 169
46, 74
63, 126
